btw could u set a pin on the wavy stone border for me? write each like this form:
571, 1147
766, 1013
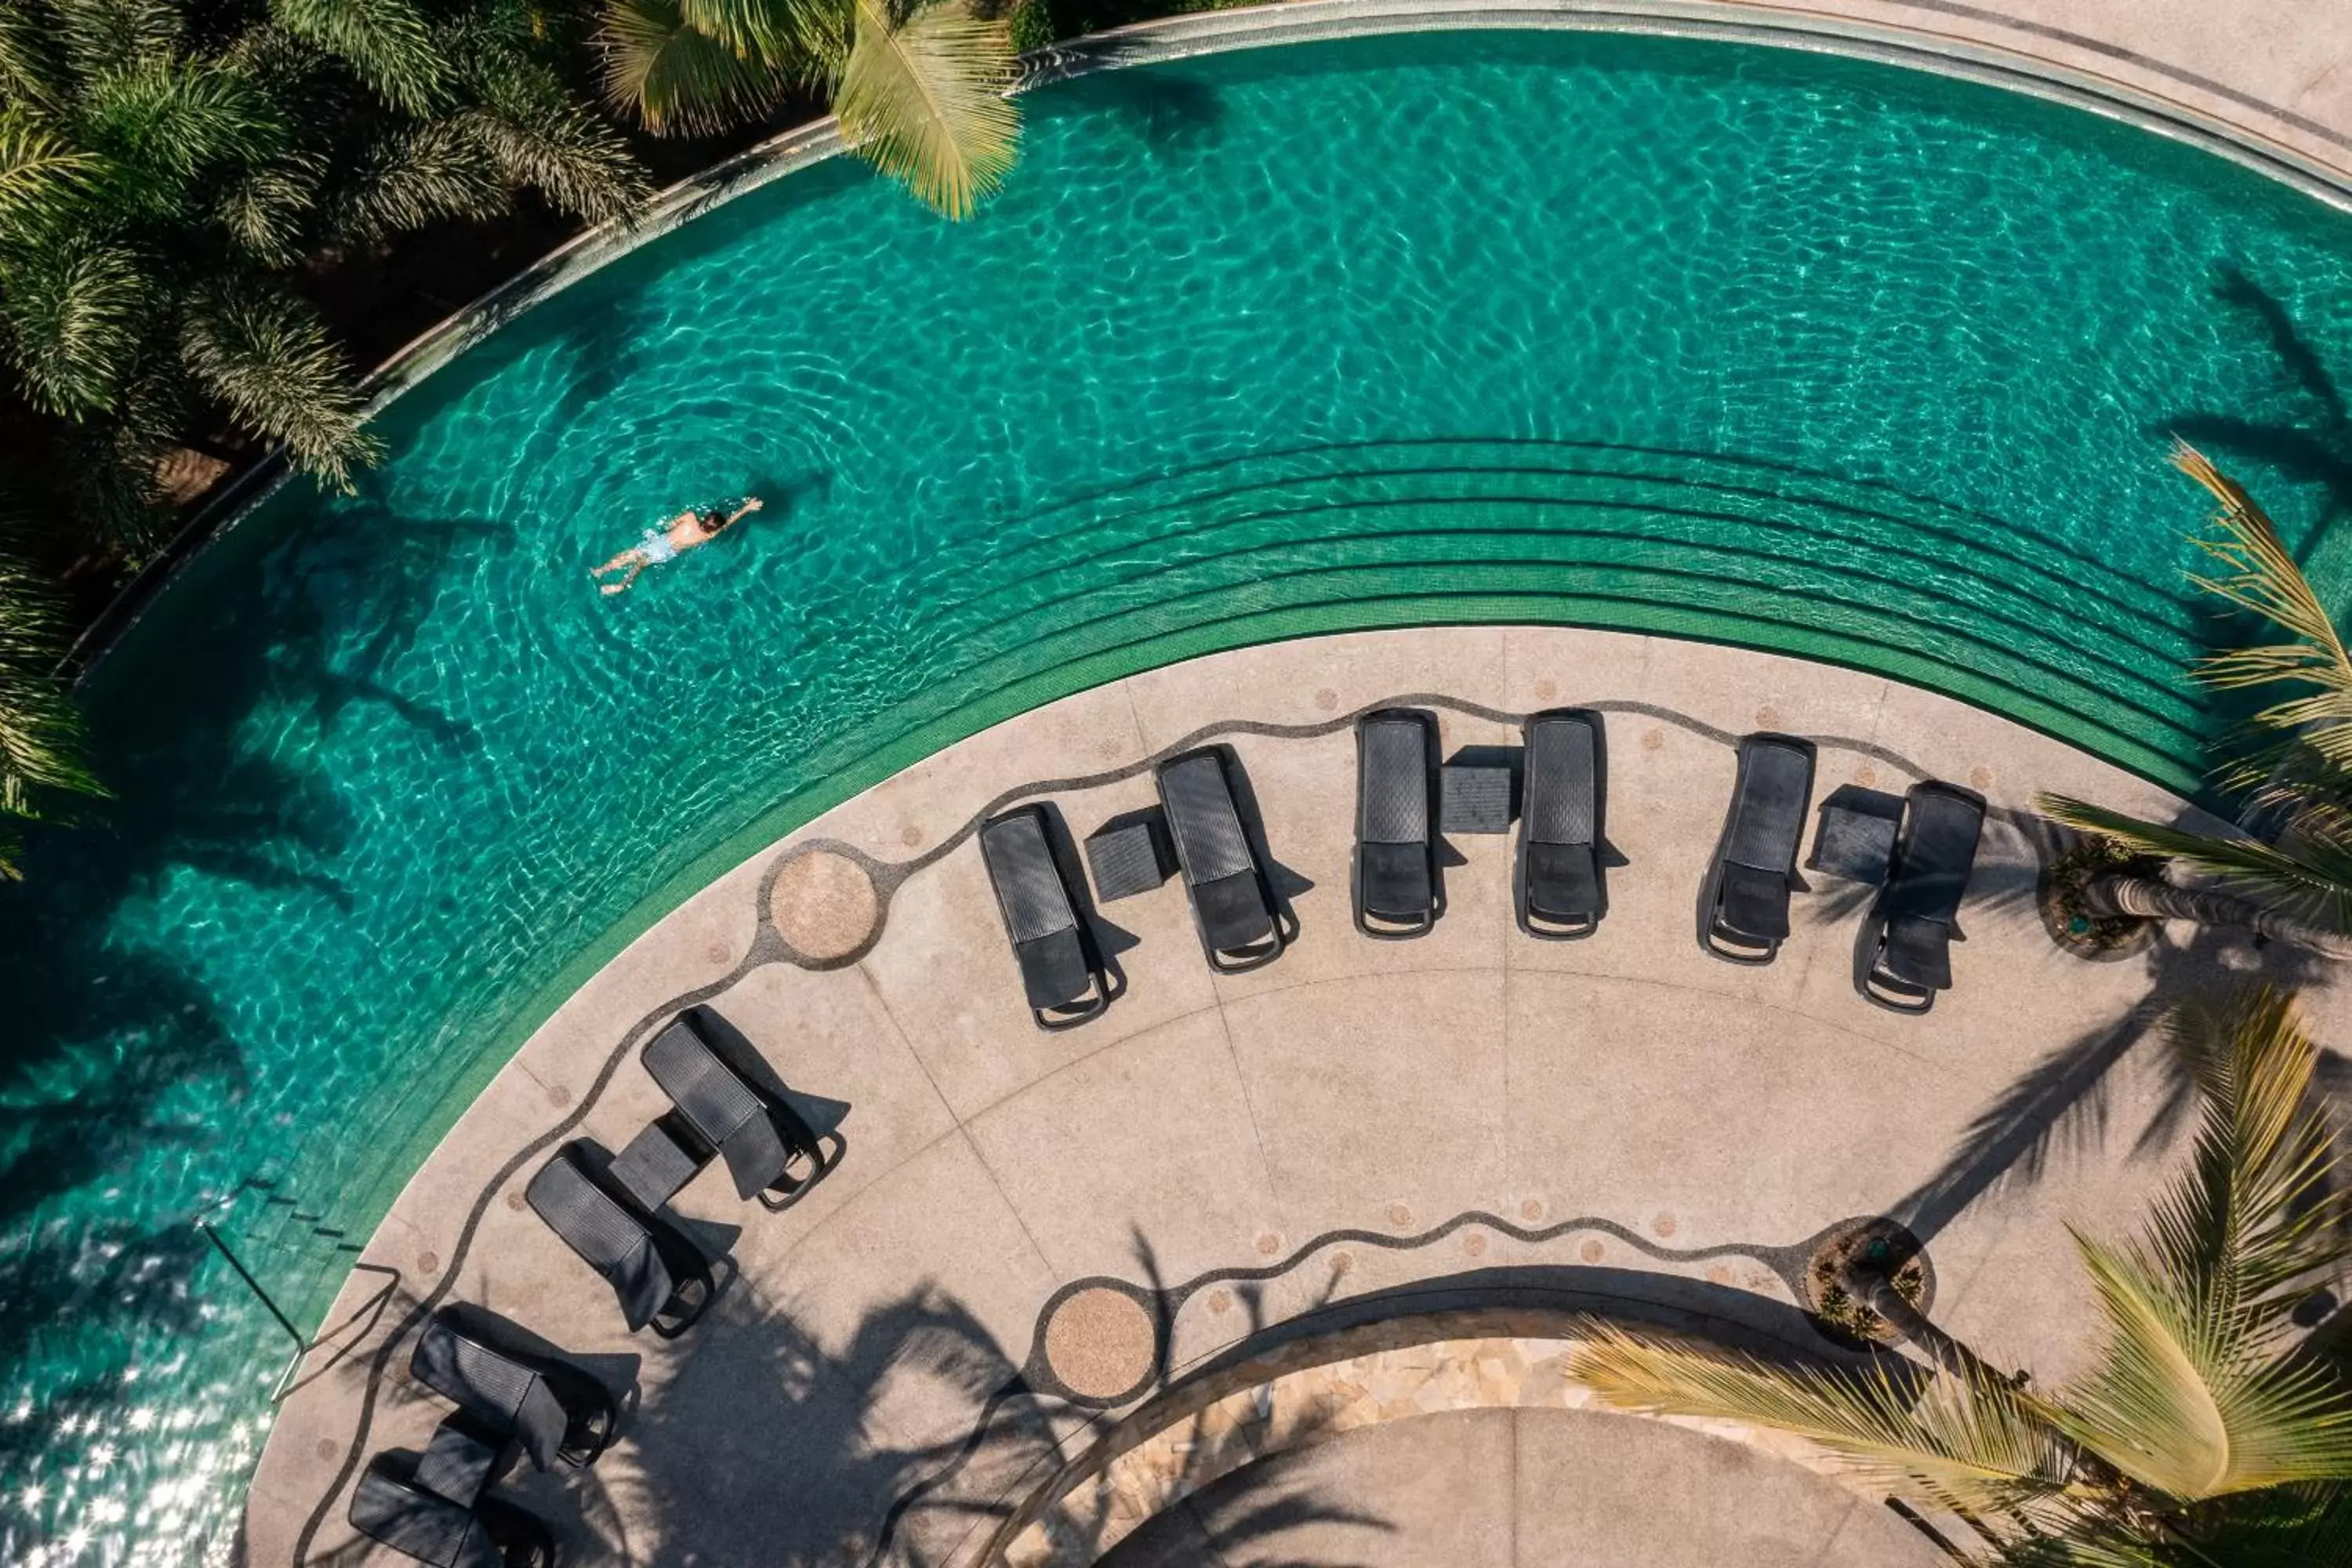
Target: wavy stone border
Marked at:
888, 875
2026, 70
771, 945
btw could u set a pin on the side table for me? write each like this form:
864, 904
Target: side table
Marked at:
1125, 857
1856, 837
1473, 799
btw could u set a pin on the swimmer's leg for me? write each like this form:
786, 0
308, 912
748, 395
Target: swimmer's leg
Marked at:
622, 586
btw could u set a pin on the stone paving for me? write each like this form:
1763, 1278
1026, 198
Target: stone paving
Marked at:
1360, 1131
1525, 1488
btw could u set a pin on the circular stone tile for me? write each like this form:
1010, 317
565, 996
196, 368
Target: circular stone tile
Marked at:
824, 905
1100, 1343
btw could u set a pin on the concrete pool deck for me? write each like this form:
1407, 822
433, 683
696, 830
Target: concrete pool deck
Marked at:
1360, 1130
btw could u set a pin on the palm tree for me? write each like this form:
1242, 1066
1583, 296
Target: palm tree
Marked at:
2298, 888
2201, 1435
167, 167
918, 86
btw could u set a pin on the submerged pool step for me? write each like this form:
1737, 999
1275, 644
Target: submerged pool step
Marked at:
1298, 588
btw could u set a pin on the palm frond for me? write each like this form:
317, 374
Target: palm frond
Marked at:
76, 312
2180, 1401
762, 28
160, 124
2309, 878
2255, 1218
388, 44
268, 359
535, 133
675, 79
111, 467
2191, 1393
41, 174
923, 99
2256, 573
101, 35
1972, 1444
28, 64
414, 177
264, 211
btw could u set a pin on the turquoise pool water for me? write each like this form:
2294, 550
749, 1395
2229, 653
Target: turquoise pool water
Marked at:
1801, 354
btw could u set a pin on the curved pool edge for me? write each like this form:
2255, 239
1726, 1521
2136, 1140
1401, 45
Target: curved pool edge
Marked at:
2103, 76
844, 783
574, 1073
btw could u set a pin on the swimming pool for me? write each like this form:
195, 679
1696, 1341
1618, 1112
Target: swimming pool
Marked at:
1811, 354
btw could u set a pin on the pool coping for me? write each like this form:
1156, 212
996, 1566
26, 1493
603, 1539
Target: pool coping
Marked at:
2031, 71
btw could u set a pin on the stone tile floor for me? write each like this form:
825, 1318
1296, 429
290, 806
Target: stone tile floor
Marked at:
1361, 1131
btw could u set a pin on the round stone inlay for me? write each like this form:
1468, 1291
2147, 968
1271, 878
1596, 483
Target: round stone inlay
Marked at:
824, 905
1100, 1342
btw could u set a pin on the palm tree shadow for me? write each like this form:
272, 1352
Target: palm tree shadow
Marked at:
760, 1444
2062, 1109
2315, 451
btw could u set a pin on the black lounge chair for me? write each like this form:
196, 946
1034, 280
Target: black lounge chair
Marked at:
1064, 982
552, 1409
659, 1277
1913, 959
1396, 854
758, 1136
1559, 872
1232, 904
1748, 911
391, 1508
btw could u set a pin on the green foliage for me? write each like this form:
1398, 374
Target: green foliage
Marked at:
167, 166
1031, 22
40, 737
919, 86
2199, 1435
2299, 758
266, 357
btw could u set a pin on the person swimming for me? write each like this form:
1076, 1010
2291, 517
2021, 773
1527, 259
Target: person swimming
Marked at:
680, 533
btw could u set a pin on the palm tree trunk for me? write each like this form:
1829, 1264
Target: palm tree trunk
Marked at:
2113, 895
1875, 1289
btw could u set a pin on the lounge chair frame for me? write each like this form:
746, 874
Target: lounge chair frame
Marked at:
1375, 810
1880, 985
387, 1497
798, 1138
1230, 838
1545, 821
1033, 895
687, 1273
492, 1383
1720, 938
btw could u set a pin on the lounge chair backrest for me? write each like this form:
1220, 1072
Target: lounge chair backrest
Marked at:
705, 1090
1028, 883
1394, 786
417, 1524
482, 1381
612, 1240
1941, 827
1769, 817
492, 1386
1562, 774
1209, 842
